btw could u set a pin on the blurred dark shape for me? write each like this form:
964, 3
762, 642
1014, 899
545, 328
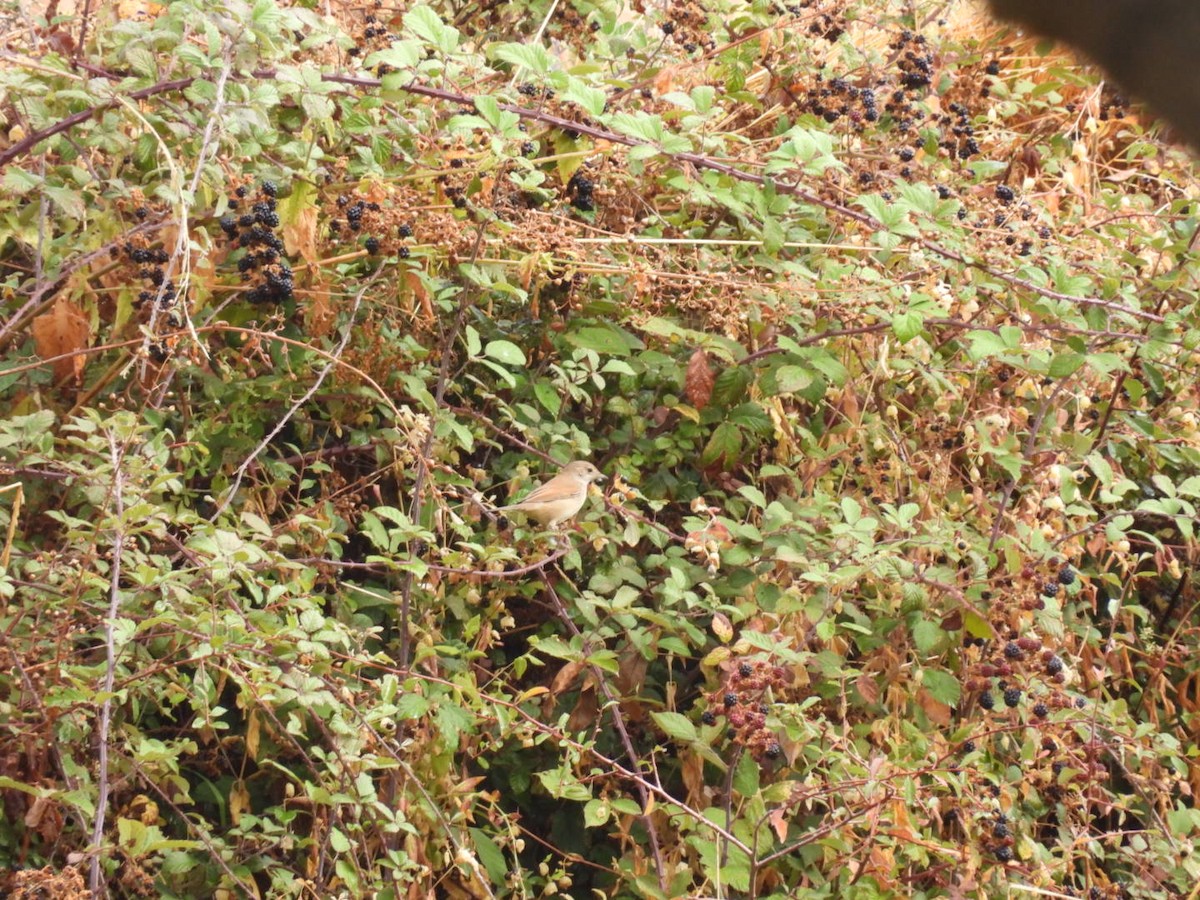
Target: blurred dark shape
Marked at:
1150, 47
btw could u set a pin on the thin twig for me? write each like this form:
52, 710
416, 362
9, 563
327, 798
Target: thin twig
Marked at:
115, 454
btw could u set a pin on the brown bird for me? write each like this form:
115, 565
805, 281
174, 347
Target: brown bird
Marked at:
561, 497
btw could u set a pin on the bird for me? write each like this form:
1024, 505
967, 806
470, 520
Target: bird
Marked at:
561, 497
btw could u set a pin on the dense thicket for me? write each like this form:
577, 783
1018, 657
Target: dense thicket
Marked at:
882, 325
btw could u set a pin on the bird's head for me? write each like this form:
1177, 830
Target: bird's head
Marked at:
583, 471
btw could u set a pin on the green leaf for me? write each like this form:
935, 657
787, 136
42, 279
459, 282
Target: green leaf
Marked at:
751, 417
942, 686
724, 445
746, 776
505, 352
596, 813
563, 785
490, 855
532, 56
412, 706
851, 510
907, 325
19, 181
605, 339
1064, 364
548, 397
730, 385
994, 343
591, 99
977, 626
927, 636
301, 198
792, 379
401, 55
427, 25
676, 726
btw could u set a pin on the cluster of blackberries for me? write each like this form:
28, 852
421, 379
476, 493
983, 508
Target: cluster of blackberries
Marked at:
580, 189
159, 288
146, 255
456, 194
253, 232
152, 259
1065, 577
961, 141
743, 701
827, 27
374, 36
373, 31
527, 89
833, 99
354, 213
915, 62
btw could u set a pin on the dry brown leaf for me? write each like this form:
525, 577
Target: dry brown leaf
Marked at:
253, 734
565, 677
300, 236
319, 314
868, 687
938, 712
698, 383
722, 627
691, 771
586, 711
62, 330
239, 800
779, 822
664, 81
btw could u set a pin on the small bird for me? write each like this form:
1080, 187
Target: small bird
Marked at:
561, 497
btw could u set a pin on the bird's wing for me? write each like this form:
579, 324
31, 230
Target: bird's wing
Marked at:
542, 494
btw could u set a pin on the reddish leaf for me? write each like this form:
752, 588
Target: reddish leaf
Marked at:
698, 385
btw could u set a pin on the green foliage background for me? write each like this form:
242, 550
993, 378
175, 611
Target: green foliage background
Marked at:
883, 325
